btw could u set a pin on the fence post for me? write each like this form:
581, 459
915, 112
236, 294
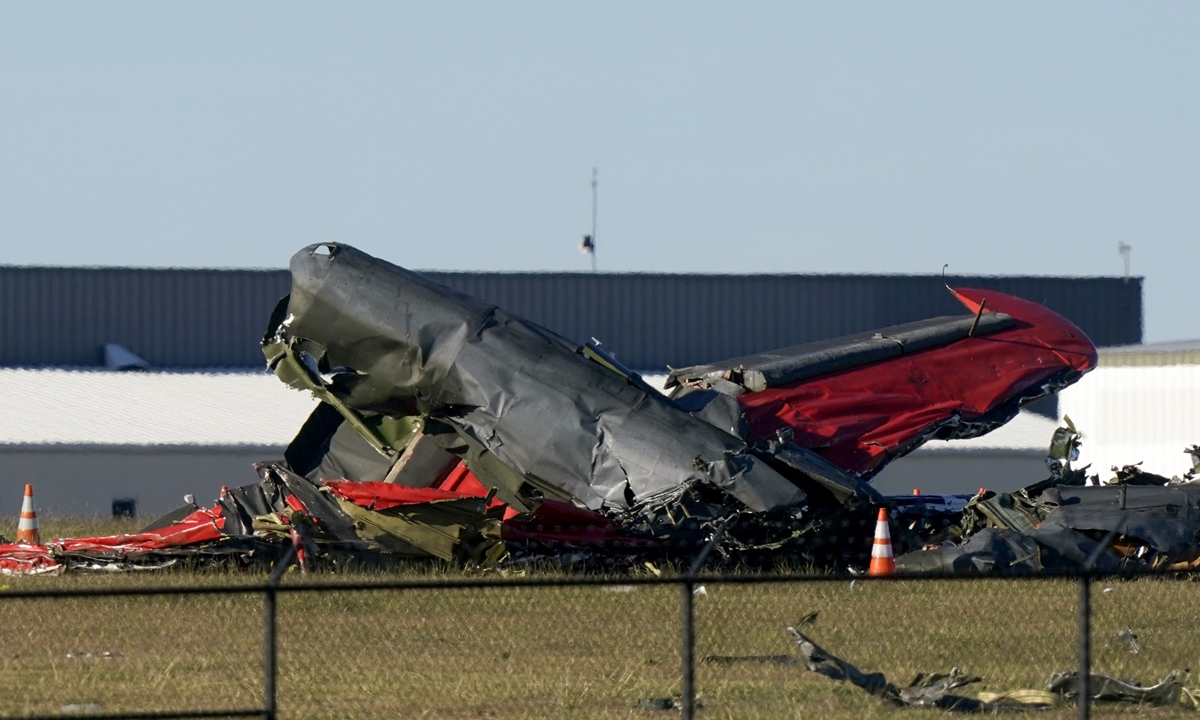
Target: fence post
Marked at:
270, 671
1085, 644
687, 604
687, 648
1085, 615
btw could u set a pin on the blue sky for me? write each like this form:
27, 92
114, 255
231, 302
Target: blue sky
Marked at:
838, 137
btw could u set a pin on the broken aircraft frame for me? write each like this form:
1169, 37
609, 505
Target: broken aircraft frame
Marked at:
450, 428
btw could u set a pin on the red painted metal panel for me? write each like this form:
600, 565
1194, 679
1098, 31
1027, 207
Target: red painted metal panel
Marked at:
861, 417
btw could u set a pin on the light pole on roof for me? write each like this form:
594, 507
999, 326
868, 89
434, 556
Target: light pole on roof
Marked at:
588, 245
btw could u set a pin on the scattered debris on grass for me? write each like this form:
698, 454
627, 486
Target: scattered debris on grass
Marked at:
1102, 688
666, 703
933, 689
1126, 640
80, 708
930, 690
103, 655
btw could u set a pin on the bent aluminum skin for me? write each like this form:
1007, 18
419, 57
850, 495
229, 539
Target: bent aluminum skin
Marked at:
393, 355
384, 341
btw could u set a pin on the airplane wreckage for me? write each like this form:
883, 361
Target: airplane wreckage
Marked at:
448, 428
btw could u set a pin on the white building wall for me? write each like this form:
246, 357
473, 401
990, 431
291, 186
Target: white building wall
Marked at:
84, 482
100, 408
86, 437
1139, 413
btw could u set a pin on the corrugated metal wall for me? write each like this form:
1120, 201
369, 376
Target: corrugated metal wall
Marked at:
214, 318
651, 320
172, 318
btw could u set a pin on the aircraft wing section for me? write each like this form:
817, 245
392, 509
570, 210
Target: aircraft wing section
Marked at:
787, 365
867, 414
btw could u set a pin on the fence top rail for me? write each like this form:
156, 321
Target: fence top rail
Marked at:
550, 581
146, 715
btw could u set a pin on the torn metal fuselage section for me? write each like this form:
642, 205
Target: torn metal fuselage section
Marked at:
391, 351
415, 378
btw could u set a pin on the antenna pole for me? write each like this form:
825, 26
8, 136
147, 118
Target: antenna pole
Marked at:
595, 183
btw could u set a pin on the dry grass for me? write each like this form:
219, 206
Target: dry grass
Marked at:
566, 652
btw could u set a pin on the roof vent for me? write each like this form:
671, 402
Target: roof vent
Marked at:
118, 357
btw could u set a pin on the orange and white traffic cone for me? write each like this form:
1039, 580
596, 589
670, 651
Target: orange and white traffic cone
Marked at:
27, 526
882, 560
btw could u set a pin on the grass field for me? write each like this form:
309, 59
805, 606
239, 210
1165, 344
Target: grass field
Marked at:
565, 652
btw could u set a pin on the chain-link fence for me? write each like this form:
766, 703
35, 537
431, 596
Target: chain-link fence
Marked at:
561, 646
